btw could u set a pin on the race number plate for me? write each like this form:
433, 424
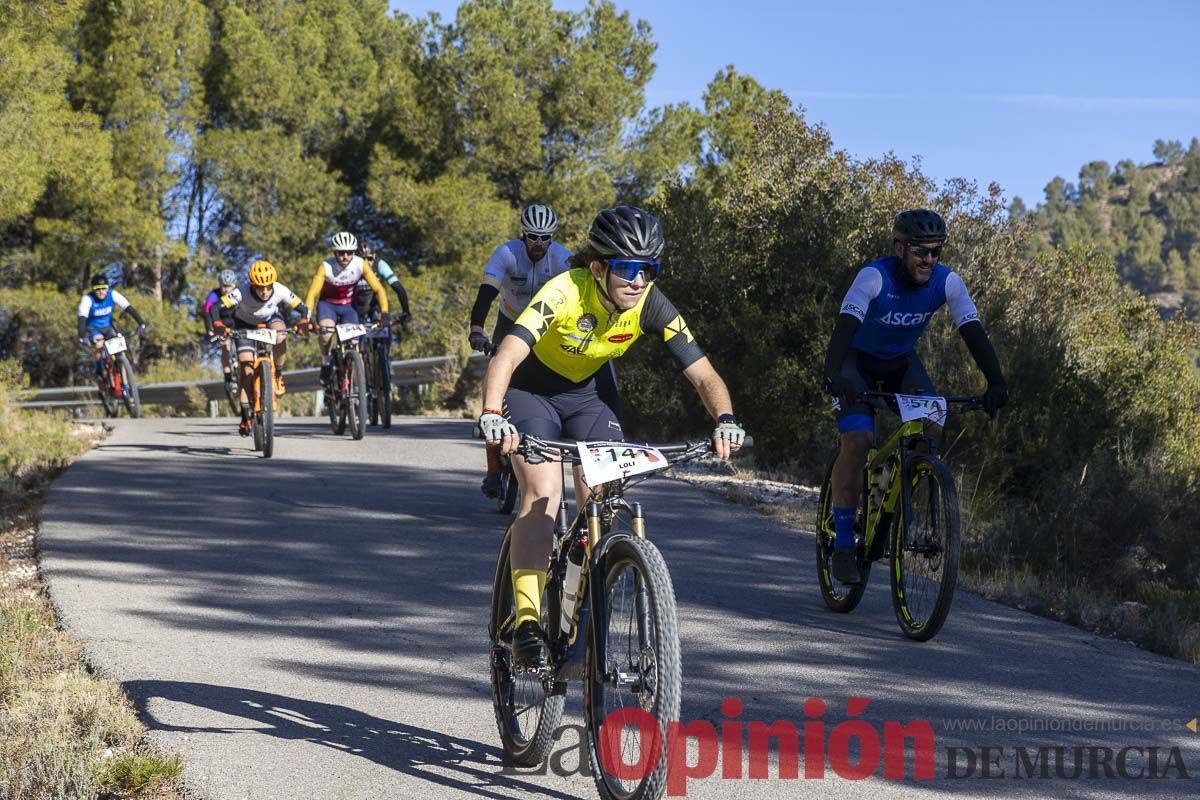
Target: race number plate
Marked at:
916, 407
347, 332
609, 461
115, 345
264, 335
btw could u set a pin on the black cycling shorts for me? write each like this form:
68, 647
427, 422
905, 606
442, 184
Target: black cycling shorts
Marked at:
904, 375
579, 414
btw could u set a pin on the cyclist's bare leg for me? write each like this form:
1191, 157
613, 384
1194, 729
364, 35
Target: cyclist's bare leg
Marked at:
847, 469
246, 372
326, 336
533, 529
582, 492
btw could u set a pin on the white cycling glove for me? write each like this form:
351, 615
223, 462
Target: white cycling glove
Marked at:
729, 430
495, 427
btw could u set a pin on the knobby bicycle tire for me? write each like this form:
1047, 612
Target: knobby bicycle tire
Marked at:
129, 394
336, 400
925, 556
509, 490
267, 403
630, 566
527, 717
837, 595
108, 398
385, 387
356, 401
256, 430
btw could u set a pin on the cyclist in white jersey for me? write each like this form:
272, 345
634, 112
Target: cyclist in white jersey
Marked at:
516, 270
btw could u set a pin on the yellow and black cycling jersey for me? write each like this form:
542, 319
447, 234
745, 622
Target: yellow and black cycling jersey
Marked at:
573, 335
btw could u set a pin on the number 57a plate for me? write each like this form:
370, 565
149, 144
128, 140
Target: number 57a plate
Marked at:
610, 461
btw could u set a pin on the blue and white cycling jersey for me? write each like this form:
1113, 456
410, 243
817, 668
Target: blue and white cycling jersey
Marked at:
895, 315
99, 313
384, 271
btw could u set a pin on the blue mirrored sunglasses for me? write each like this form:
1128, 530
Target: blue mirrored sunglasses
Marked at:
627, 269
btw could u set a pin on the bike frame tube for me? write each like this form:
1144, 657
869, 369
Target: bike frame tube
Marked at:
893, 450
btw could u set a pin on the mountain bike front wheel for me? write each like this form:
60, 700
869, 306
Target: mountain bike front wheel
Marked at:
509, 490
129, 387
925, 548
633, 672
837, 595
527, 715
265, 421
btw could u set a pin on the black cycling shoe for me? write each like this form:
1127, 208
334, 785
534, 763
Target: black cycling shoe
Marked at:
845, 565
527, 646
491, 485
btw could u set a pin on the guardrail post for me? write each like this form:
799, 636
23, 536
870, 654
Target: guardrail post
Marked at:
212, 408
318, 402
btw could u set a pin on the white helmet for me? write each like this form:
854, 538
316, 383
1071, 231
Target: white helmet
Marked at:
343, 240
539, 219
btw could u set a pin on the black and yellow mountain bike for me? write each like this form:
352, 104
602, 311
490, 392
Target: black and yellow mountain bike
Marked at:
908, 515
608, 616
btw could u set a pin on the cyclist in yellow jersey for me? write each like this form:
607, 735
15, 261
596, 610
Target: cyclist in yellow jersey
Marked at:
573, 326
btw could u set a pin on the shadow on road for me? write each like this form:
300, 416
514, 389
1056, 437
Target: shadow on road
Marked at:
428, 755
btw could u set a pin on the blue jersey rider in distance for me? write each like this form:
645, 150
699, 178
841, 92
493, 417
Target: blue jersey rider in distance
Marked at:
883, 315
545, 371
95, 318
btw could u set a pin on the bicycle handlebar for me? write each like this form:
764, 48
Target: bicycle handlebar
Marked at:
966, 402
568, 450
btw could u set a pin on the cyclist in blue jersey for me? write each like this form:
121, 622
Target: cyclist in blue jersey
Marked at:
226, 283
883, 315
95, 319
365, 301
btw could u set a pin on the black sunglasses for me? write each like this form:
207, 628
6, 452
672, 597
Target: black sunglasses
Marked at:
921, 252
539, 237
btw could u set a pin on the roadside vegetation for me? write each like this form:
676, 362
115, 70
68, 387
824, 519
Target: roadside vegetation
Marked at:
64, 733
194, 135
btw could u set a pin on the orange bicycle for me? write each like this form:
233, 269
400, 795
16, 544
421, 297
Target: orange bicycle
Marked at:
263, 403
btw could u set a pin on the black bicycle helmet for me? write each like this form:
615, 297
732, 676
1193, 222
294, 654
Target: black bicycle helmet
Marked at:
919, 225
99, 281
627, 232
366, 251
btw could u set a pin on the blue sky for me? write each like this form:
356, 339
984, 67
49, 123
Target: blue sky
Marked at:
1014, 92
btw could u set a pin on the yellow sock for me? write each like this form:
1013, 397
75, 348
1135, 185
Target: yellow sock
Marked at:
528, 585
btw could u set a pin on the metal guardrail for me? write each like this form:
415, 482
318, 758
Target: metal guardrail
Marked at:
410, 372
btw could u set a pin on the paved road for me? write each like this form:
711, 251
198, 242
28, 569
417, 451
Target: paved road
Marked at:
313, 626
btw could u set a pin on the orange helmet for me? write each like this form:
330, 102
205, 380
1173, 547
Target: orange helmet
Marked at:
262, 273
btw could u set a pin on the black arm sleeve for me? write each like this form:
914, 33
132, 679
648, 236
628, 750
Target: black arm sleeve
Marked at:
213, 312
839, 344
402, 296
660, 317
82, 326
131, 311
483, 303
982, 351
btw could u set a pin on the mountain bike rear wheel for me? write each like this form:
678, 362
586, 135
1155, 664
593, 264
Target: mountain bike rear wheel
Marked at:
637, 672
837, 595
925, 548
335, 398
527, 715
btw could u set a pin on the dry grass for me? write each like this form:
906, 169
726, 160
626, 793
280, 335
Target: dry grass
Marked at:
64, 733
